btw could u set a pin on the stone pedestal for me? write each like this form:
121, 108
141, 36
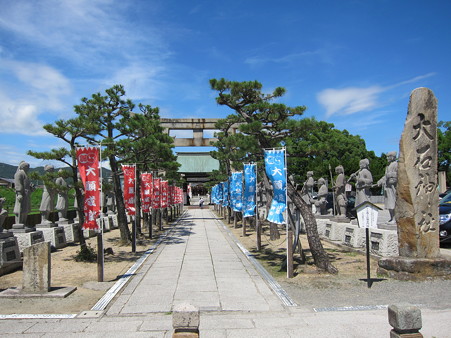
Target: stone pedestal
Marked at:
26, 239
71, 232
115, 221
103, 222
55, 235
88, 233
63, 221
185, 320
405, 320
10, 259
354, 236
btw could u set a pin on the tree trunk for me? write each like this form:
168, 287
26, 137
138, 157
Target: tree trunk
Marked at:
320, 256
121, 215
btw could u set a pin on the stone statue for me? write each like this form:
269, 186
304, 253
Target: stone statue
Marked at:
110, 198
364, 181
62, 201
307, 190
321, 203
77, 210
340, 193
389, 182
48, 199
3, 213
23, 189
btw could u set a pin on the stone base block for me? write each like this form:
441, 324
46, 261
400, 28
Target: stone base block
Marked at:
103, 222
71, 232
88, 233
115, 221
108, 223
384, 242
55, 236
10, 259
26, 239
46, 225
354, 236
321, 226
406, 268
334, 231
185, 317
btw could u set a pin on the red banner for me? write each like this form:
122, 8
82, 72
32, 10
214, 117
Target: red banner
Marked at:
89, 169
178, 195
171, 195
156, 194
164, 194
129, 188
146, 191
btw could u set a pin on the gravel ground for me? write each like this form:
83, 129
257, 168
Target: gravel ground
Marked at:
428, 294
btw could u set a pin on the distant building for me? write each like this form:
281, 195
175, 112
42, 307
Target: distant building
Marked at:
7, 182
196, 167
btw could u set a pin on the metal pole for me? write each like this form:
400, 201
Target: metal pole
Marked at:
257, 223
100, 253
134, 223
290, 272
368, 271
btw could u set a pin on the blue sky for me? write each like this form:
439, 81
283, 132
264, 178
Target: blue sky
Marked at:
351, 62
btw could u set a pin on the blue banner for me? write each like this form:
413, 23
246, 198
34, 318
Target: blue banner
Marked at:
250, 184
225, 193
236, 191
275, 170
214, 194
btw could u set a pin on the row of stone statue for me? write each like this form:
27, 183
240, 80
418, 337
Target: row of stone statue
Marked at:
23, 187
363, 182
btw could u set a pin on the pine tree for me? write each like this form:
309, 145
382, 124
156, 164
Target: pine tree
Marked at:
270, 123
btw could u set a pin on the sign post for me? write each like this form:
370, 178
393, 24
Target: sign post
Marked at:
367, 218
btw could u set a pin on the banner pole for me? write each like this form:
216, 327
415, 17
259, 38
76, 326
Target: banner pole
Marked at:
134, 223
100, 244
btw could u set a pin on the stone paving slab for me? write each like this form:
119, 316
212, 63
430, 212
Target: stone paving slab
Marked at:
205, 270
241, 304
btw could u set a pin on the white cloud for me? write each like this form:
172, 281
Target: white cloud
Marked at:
29, 91
349, 100
19, 118
89, 33
289, 58
352, 100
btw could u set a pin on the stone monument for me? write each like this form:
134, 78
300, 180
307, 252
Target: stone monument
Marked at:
417, 196
389, 181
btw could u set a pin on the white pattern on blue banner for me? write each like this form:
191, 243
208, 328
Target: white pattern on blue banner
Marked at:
250, 183
276, 172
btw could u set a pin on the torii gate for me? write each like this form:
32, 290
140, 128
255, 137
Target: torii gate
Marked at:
197, 126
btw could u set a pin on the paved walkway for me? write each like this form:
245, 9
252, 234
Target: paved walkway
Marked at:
199, 262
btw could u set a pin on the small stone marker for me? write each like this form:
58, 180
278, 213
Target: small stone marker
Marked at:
185, 321
417, 196
36, 268
405, 320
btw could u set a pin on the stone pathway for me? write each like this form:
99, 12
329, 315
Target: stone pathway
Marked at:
200, 263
